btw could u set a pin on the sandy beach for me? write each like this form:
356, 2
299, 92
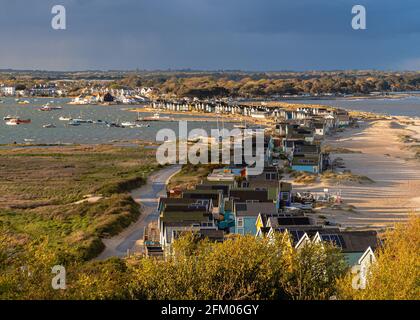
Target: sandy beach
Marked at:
381, 155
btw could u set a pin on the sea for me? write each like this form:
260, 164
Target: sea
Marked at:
404, 106
85, 133
95, 134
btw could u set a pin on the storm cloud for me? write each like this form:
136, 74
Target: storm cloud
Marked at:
210, 35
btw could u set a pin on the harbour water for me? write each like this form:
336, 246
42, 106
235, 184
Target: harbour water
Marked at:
85, 133
405, 106
99, 133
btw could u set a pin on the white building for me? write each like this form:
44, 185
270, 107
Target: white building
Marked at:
8, 91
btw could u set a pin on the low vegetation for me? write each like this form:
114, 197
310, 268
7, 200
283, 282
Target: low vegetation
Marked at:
396, 273
331, 149
243, 267
41, 190
344, 177
303, 177
191, 175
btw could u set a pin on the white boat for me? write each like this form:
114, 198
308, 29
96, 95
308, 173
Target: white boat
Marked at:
128, 124
11, 122
49, 125
48, 107
156, 117
9, 117
29, 140
65, 118
142, 125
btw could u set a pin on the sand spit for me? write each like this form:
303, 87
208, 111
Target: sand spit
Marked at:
386, 159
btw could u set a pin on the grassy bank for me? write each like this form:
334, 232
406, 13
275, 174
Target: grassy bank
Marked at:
191, 175
41, 190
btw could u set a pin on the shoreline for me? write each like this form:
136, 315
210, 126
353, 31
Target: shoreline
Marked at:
378, 153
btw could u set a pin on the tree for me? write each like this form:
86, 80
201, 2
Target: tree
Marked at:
242, 267
396, 273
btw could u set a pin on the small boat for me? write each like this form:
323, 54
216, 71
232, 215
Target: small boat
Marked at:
48, 107
24, 102
1, 101
45, 108
100, 122
83, 120
9, 117
113, 125
156, 117
29, 140
142, 125
128, 124
17, 121
73, 123
49, 125
65, 118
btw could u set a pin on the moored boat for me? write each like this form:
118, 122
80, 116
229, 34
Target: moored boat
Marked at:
128, 124
156, 117
49, 125
65, 118
17, 121
73, 123
48, 107
8, 117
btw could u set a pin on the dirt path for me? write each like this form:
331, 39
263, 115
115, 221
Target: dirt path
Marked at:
147, 196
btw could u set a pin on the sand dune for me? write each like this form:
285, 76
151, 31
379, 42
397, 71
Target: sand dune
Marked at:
386, 160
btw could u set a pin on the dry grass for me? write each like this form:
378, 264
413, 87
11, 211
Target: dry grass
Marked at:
302, 177
40, 185
191, 175
344, 178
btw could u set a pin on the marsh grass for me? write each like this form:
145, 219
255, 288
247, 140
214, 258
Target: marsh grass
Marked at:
39, 188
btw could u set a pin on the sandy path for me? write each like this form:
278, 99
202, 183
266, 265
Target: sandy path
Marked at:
385, 160
147, 196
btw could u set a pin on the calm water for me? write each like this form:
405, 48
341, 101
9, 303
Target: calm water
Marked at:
409, 106
85, 133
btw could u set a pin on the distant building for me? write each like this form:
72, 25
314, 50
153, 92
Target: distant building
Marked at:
8, 91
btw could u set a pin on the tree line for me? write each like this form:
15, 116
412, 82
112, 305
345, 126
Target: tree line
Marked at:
232, 83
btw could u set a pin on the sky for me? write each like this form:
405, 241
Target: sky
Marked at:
251, 35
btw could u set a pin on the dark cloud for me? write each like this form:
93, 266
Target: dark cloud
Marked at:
210, 34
